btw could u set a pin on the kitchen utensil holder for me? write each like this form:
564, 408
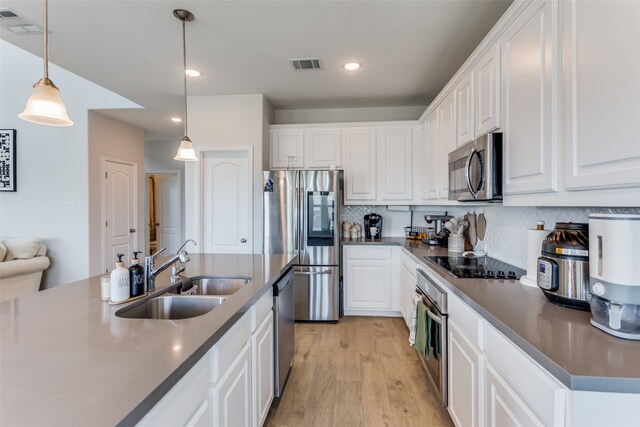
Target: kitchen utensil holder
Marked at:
456, 243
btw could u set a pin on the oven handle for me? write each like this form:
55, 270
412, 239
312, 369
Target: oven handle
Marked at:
467, 173
433, 317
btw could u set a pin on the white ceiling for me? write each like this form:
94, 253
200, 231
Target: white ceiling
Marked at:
408, 49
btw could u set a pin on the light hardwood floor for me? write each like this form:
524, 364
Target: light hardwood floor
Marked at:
359, 372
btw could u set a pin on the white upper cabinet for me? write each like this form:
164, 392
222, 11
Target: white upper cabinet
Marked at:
395, 164
529, 79
360, 165
287, 148
486, 79
446, 140
322, 148
601, 94
464, 110
430, 174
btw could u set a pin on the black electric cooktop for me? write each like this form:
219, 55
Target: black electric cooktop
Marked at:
477, 267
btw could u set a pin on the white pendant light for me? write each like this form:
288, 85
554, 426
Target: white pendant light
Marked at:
45, 106
185, 153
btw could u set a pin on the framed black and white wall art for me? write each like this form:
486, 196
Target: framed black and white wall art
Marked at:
7, 160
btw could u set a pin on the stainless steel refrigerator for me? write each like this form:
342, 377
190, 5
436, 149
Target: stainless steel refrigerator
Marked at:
302, 215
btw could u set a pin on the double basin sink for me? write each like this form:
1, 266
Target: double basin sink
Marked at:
191, 297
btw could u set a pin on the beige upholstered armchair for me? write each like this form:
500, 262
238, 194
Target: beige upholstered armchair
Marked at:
22, 262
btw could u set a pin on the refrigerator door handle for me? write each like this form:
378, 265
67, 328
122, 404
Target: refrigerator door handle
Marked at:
296, 209
301, 212
313, 273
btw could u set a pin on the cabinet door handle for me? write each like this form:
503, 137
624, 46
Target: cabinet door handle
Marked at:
243, 240
132, 230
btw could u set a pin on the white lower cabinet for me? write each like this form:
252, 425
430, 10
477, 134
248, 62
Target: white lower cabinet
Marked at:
466, 376
408, 284
202, 416
504, 406
231, 397
184, 403
370, 286
492, 382
232, 385
408, 277
262, 359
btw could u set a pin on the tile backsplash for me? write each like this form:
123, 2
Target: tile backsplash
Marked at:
506, 235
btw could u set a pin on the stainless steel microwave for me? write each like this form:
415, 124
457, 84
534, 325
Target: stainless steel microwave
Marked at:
475, 170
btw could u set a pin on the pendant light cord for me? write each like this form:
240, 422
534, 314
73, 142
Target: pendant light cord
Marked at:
46, 39
184, 75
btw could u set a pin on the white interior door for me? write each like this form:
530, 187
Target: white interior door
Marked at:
226, 221
167, 204
120, 208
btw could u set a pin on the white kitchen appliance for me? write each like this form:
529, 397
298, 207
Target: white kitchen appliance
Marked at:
615, 274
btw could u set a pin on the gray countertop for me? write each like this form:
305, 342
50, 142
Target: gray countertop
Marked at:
66, 359
560, 339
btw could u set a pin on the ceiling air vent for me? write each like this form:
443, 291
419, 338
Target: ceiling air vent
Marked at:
7, 13
305, 63
14, 23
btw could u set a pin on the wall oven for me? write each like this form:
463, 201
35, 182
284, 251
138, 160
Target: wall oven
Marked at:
475, 170
435, 299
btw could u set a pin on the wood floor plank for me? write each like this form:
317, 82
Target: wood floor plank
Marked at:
359, 372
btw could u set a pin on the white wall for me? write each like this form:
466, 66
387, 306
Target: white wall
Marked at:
228, 121
52, 201
339, 115
112, 139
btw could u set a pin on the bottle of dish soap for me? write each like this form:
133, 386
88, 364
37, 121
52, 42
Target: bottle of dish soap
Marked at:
119, 282
136, 276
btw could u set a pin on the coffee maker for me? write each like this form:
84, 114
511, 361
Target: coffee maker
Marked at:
373, 226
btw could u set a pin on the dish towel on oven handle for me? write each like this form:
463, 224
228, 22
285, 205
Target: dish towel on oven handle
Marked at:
422, 332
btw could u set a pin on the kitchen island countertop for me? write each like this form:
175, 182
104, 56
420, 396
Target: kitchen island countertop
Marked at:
560, 339
67, 359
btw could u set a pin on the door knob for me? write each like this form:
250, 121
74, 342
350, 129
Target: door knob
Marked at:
132, 230
243, 240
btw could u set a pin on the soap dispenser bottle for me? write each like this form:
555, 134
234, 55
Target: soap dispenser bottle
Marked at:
119, 282
136, 276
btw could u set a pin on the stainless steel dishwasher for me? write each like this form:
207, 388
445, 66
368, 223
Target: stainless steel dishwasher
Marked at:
283, 310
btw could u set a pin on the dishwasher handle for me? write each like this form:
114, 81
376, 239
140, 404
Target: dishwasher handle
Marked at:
286, 280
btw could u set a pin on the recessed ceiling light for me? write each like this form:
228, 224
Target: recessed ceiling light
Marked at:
192, 73
351, 66
176, 119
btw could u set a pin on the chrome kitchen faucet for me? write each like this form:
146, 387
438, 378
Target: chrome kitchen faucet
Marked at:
151, 272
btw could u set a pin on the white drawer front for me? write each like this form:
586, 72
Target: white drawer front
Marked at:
543, 393
261, 309
468, 320
367, 252
227, 349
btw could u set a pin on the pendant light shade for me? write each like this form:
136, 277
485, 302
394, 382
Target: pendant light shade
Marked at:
45, 106
186, 152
